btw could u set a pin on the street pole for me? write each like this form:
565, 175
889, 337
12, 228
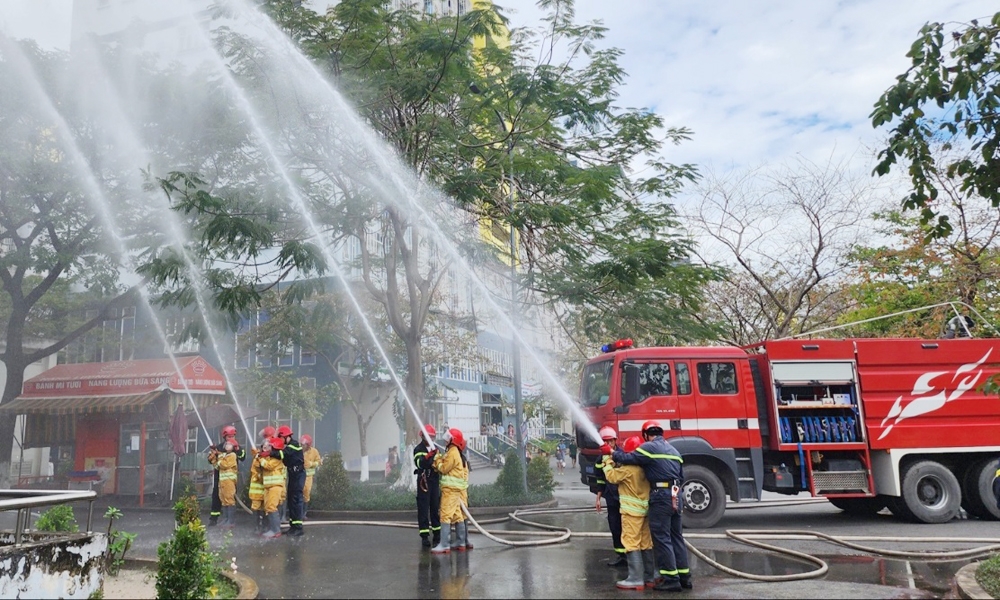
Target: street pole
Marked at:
515, 352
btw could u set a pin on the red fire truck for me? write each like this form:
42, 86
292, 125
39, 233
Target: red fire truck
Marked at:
865, 423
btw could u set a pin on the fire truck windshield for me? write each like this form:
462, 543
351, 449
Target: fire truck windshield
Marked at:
596, 384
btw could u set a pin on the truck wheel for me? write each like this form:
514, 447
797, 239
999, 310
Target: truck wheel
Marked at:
977, 490
859, 506
931, 492
899, 508
704, 498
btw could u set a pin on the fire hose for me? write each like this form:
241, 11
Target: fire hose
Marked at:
555, 534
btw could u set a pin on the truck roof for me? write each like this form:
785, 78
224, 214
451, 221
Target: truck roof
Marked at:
673, 352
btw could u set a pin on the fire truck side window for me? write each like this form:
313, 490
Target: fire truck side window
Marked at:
717, 378
654, 380
683, 379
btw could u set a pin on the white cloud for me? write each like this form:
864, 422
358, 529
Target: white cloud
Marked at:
763, 81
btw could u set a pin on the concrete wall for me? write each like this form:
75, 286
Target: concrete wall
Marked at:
51, 565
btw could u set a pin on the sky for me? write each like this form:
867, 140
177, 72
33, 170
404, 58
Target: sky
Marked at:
757, 82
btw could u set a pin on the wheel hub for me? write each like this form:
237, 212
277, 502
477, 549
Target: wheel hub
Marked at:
931, 493
696, 496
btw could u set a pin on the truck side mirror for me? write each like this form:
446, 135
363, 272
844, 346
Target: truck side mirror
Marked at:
631, 395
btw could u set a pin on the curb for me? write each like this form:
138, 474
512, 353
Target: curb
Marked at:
409, 515
246, 587
968, 587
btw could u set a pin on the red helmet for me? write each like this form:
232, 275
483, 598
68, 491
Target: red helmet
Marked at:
277, 443
228, 431
608, 433
267, 433
457, 438
307, 439
632, 443
652, 427
284, 431
430, 430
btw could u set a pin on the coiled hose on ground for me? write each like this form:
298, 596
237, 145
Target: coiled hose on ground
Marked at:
554, 534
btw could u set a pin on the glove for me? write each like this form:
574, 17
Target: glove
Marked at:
605, 450
432, 454
213, 447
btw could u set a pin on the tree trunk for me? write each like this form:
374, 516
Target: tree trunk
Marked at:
363, 440
12, 389
414, 389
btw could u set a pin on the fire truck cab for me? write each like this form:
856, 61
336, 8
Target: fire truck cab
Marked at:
866, 423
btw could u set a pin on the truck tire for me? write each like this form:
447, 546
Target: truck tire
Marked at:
704, 498
930, 492
859, 506
977, 490
899, 508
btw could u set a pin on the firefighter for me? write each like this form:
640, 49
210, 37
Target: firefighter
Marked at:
228, 434
454, 470
225, 466
293, 458
273, 472
257, 480
312, 460
664, 470
428, 490
633, 491
609, 492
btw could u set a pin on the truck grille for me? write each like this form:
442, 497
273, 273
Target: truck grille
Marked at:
840, 481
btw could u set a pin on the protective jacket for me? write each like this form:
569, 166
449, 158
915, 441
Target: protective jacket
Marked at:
660, 461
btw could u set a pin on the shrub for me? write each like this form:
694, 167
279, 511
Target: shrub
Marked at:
509, 480
331, 485
378, 496
57, 518
988, 575
186, 510
119, 543
481, 496
540, 479
185, 566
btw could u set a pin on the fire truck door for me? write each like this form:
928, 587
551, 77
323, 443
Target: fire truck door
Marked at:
665, 394
721, 392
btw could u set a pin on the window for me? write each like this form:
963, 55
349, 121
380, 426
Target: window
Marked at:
596, 384
242, 346
307, 356
683, 379
654, 380
286, 355
429, 7
717, 378
263, 360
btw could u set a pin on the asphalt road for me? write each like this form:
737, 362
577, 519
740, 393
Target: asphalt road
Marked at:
380, 562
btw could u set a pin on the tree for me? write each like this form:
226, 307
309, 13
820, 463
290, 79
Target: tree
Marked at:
51, 238
917, 268
785, 232
595, 238
950, 96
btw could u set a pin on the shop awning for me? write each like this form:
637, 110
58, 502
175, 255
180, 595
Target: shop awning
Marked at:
82, 405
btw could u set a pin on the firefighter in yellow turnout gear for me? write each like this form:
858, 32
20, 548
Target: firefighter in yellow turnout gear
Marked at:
273, 470
633, 492
454, 470
312, 460
257, 481
225, 463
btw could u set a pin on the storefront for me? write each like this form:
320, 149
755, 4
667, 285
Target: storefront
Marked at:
116, 416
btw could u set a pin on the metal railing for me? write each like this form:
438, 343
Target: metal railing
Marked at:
24, 500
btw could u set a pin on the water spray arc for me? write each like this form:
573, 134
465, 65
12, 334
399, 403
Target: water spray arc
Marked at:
125, 133
96, 196
386, 160
303, 207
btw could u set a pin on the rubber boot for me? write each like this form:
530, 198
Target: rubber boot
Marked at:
468, 528
213, 520
273, 526
668, 584
224, 523
649, 568
460, 533
425, 540
232, 517
618, 561
634, 580
685, 579
444, 545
